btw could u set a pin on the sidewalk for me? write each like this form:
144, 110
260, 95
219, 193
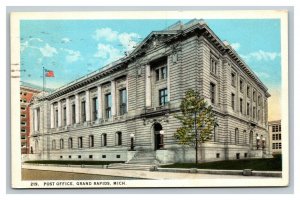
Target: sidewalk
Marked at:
155, 175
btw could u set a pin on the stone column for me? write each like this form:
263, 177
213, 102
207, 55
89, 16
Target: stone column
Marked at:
99, 96
113, 98
87, 106
148, 86
51, 115
59, 113
77, 108
35, 120
68, 114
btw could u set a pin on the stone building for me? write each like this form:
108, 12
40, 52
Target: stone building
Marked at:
275, 137
27, 92
131, 103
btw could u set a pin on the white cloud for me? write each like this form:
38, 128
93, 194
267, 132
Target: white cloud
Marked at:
65, 40
261, 55
72, 56
26, 44
48, 51
235, 46
128, 40
105, 33
108, 52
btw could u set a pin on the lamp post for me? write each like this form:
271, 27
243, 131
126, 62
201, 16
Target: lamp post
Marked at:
257, 142
161, 132
132, 141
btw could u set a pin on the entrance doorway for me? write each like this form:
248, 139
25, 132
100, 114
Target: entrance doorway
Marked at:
158, 143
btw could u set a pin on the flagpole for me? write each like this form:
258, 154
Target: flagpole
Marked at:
43, 111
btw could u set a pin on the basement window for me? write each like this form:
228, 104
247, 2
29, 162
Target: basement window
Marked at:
217, 155
103, 156
118, 156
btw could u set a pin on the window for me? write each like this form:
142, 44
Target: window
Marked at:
56, 118
233, 79
90, 156
241, 85
164, 72
104, 139
279, 145
53, 144
245, 155
248, 109
23, 115
259, 100
65, 116
123, 101
258, 115
61, 143
279, 128
80, 142
38, 118
217, 155
23, 123
275, 128
238, 156
232, 101
157, 74
23, 137
248, 91
23, 130
119, 138
213, 66
95, 108
163, 97
23, 107
254, 112
70, 143
254, 96
108, 104
83, 112
73, 114
236, 136
241, 105
91, 141
279, 136
212, 92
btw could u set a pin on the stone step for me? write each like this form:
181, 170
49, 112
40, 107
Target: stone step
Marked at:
130, 166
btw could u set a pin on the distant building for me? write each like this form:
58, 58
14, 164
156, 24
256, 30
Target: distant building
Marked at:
27, 93
275, 136
132, 103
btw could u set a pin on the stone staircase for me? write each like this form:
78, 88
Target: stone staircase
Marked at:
143, 160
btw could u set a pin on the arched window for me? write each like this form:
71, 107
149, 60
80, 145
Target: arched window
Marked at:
118, 138
236, 136
91, 141
70, 143
53, 144
61, 143
104, 139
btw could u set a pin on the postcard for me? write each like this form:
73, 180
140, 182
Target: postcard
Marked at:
131, 99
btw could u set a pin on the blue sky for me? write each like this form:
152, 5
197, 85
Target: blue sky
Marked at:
73, 48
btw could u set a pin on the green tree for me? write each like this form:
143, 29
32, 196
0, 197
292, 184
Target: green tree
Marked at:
197, 119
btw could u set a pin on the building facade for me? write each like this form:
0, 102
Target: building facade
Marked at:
275, 136
131, 103
27, 92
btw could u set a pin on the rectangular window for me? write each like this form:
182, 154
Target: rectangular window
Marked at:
95, 108
241, 106
80, 142
279, 128
38, 118
254, 112
241, 85
163, 97
273, 136
258, 115
56, 118
104, 140
70, 143
232, 101
212, 92
254, 96
73, 114
233, 79
279, 145
164, 72
273, 145
248, 109
23, 115
248, 91
119, 138
108, 104
157, 74
83, 112
64, 116
279, 136
23, 123
23, 130
91, 141
23, 107
123, 101
213, 66
259, 100
23, 137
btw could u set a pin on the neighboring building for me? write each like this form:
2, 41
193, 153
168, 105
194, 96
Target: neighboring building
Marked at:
27, 92
275, 136
132, 103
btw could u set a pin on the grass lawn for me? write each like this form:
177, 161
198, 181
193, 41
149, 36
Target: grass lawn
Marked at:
268, 164
72, 162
